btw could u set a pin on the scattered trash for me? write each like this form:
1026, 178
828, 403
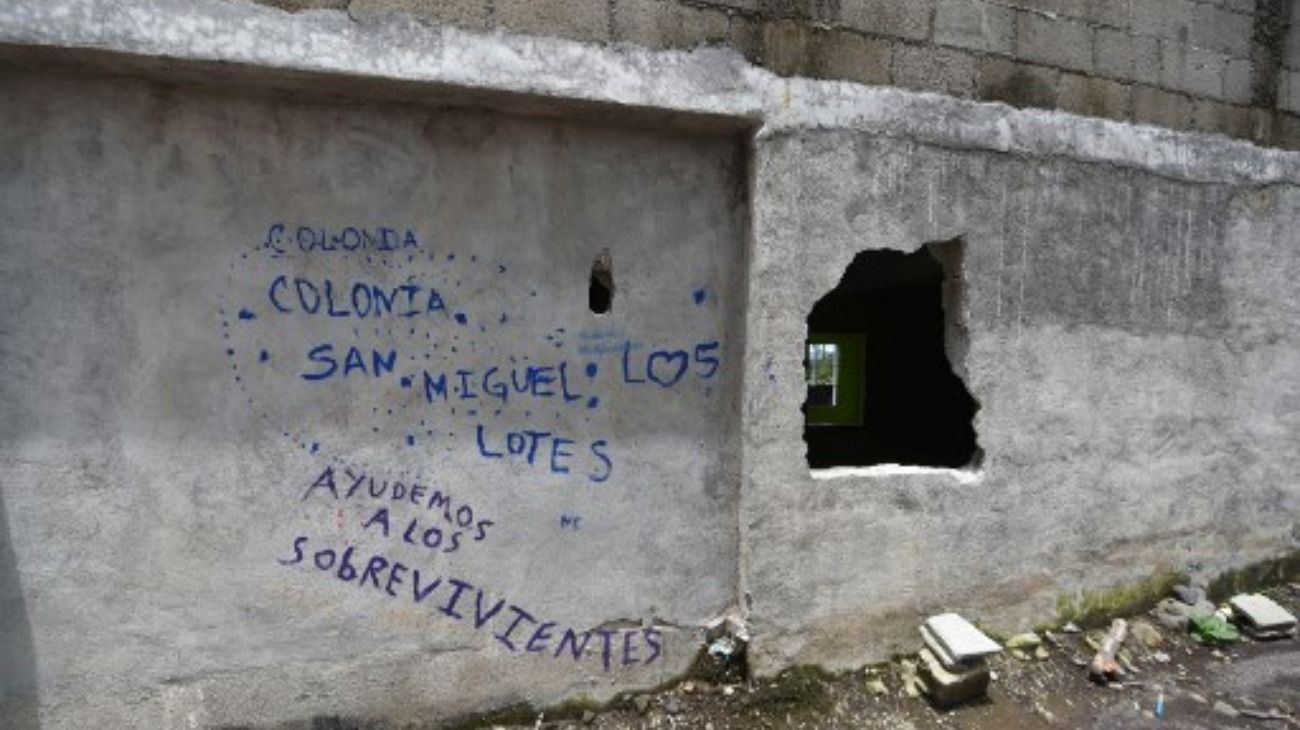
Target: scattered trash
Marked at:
1071, 628
1160, 705
1212, 630
1260, 617
1160, 657
723, 648
1104, 667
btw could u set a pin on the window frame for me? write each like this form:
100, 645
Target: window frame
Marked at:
849, 397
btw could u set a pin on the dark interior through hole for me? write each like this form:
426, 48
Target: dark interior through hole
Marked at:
880, 387
600, 288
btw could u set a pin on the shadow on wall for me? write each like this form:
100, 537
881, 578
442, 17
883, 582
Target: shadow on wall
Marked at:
18, 685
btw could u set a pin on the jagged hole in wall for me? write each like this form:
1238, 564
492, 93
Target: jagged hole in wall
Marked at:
881, 388
600, 288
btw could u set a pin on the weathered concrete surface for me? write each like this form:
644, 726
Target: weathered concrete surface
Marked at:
161, 438
1125, 317
1131, 339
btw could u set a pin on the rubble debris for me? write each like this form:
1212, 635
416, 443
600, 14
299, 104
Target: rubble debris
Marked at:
956, 640
1260, 617
953, 669
1146, 634
1189, 594
948, 687
1225, 709
1104, 667
1024, 641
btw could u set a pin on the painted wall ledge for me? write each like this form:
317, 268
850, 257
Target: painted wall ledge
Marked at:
705, 82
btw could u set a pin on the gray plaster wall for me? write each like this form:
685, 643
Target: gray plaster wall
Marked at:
1131, 340
165, 454
1123, 309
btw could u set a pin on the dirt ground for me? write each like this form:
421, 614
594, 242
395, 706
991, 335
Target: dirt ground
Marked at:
1244, 685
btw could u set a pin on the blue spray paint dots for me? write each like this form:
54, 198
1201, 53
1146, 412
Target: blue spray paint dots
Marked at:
410, 440
593, 402
406, 381
461, 319
699, 295
263, 356
315, 446
247, 314
230, 351
592, 369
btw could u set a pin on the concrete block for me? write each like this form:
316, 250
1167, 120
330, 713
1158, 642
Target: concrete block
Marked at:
1237, 6
1126, 57
960, 638
1261, 616
657, 24
974, 24
1218, 118
1239, 81
1194, 70
785, 47
1288, 96
1286, 132
1161, 108
839, 54
1110, 13
1018, 84
946, 687
1291, 48
1114, 54
1063, 43
583, 20
465, 13
1146, 59
816, 11
1095, 97
909, 19
943, 70
1222, 30
746, 6
745, 35
1170, 19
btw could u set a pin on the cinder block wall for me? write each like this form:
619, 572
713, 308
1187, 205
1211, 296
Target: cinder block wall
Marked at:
1225, 66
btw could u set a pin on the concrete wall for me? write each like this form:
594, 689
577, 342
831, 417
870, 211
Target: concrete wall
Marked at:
1131, 340
1123, 308
202, 391
1205, 65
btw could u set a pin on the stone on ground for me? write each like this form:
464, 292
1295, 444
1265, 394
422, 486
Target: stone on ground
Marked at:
946, 687
1261, 617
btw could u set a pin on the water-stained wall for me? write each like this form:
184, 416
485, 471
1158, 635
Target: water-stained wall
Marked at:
290, 384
